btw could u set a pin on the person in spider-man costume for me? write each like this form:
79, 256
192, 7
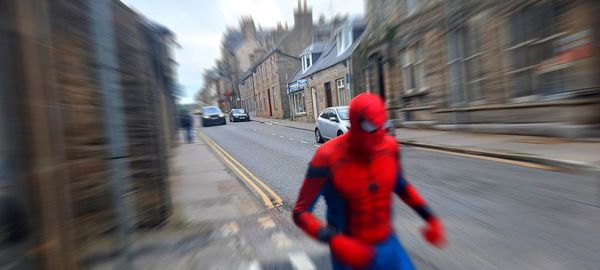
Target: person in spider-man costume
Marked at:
357, 173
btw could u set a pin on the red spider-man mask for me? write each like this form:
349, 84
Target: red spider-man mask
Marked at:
367, 120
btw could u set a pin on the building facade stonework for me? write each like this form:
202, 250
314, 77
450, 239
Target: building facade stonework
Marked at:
324, 84
515, 67
270, 84
250, 56
326, 77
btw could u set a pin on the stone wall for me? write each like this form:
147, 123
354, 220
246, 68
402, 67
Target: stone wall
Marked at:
431, 25
317, 81
271, 84
62, 151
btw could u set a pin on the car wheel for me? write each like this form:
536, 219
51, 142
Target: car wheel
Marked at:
340, 133
318, 136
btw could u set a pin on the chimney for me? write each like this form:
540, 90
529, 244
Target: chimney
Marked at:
299, 6
305, 6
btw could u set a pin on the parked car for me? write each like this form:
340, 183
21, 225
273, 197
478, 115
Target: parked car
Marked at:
212, 115
239, 115
335, 121
332, 122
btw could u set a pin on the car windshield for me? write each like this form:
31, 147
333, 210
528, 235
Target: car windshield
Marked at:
238, 111
343, 112
211, 110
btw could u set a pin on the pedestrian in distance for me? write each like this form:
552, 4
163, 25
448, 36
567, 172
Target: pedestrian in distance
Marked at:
187, 125
357, 173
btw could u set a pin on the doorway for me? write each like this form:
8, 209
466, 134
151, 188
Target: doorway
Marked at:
380, 78
328, 94
270, 107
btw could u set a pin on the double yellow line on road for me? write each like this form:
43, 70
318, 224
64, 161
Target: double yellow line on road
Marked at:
271, 200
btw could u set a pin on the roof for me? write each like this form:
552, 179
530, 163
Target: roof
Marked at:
261, 60
330, 55
247, 73
326, 27
315, 47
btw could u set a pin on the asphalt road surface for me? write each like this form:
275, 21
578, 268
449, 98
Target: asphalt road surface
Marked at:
498, 215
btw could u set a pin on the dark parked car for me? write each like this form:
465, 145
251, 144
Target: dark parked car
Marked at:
238, 115
212, 115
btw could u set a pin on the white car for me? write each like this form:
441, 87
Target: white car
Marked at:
332, 122
335, 121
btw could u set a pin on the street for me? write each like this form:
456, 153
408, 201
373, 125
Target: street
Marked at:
498, 215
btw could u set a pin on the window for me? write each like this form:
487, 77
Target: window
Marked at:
325, 114
408, 72
342, 91
413, 67
455, 66
306, 61
211, 110
472, 61
347, 39
465, 69
420, 67
298, 102
533, 32
343, 40
344, 113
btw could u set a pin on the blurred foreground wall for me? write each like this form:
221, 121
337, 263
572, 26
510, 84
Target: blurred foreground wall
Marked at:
497, 66
56, 195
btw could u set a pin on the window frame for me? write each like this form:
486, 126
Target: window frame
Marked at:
298, 98
342, 43
532, 32
345, 90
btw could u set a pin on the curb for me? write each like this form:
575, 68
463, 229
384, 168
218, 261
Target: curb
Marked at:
563, 164
269, 198
559, 163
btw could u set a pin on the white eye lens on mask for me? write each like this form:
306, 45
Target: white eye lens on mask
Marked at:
367, 126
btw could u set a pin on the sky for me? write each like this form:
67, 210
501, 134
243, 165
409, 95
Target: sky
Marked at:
199, 26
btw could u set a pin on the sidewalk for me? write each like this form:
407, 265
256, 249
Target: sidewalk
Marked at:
217, 224
543, 150
204, 190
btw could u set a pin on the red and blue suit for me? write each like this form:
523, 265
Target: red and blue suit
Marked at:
357, 174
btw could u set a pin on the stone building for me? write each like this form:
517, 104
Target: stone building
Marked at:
239, 50
248, 93
515, 67
325, 77
286, 42
269, 79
